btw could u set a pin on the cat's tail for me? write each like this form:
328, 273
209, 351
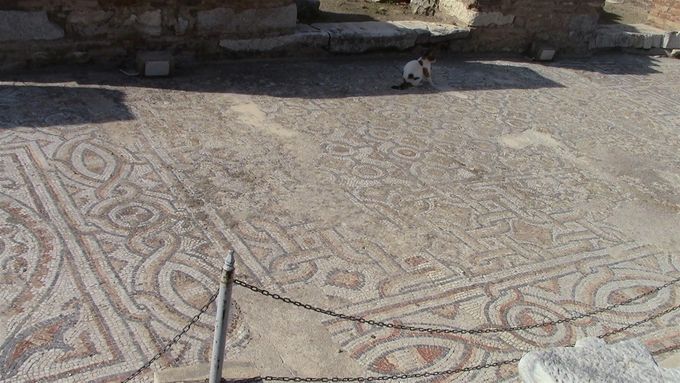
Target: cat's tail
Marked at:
404, 85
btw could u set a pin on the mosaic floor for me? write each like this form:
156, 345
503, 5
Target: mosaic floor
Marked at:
509, 194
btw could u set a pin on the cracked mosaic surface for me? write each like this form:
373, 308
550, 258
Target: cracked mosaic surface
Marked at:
512, 193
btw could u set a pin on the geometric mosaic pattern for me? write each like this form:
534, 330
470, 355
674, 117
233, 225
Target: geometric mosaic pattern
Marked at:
494, 200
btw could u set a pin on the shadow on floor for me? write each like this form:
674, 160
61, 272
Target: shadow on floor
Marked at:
41, 106
358, 76
336, 77
612, 64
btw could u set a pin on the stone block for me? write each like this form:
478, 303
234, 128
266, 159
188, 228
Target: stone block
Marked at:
155, 63
150, 22
628, 36
21, 26
583, 23
591, 360
181, 25
91, 22
462, 10
485, 19
357, 37
307, 10
542, 51
424, 7
671, 40
213, 19
429, 32
304, 38
250, 21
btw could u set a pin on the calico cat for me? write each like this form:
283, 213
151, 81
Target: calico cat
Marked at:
417, 71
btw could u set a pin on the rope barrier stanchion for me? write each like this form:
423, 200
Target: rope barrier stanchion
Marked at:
222, 318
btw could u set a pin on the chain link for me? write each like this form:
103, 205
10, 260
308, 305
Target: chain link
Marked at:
174, 340
635, 324
433, 330
392, 377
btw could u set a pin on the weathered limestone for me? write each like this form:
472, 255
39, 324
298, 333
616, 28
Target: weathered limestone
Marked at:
305, 37
89, 22
433, 32
110, 31
671, 40
465, 12
22, 26
351, 37
365, 36
515, 24
226, 20
149, 22
592, 360
424, 7
633, 36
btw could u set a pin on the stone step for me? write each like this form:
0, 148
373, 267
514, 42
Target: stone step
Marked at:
351, 37
592, 360
637, 36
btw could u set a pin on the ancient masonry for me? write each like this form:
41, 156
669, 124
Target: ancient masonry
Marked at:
507, 25
44, 31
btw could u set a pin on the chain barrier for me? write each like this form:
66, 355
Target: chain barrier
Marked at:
642, 321
174, 340
433, 330
464, 369
391, 377
430, 330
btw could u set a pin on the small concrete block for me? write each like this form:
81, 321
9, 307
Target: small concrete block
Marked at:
543, 52
671, 40
155, 63
591, 360
21, 26
357, 37
232, 370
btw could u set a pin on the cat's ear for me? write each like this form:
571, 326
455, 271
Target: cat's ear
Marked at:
431, 54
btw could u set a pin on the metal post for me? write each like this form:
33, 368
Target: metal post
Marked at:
222, 318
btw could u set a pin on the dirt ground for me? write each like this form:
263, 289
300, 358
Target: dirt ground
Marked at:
623, 13
365, 10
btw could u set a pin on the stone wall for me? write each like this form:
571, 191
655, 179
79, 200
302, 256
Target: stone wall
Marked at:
665, 14
512, 25
36, 31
